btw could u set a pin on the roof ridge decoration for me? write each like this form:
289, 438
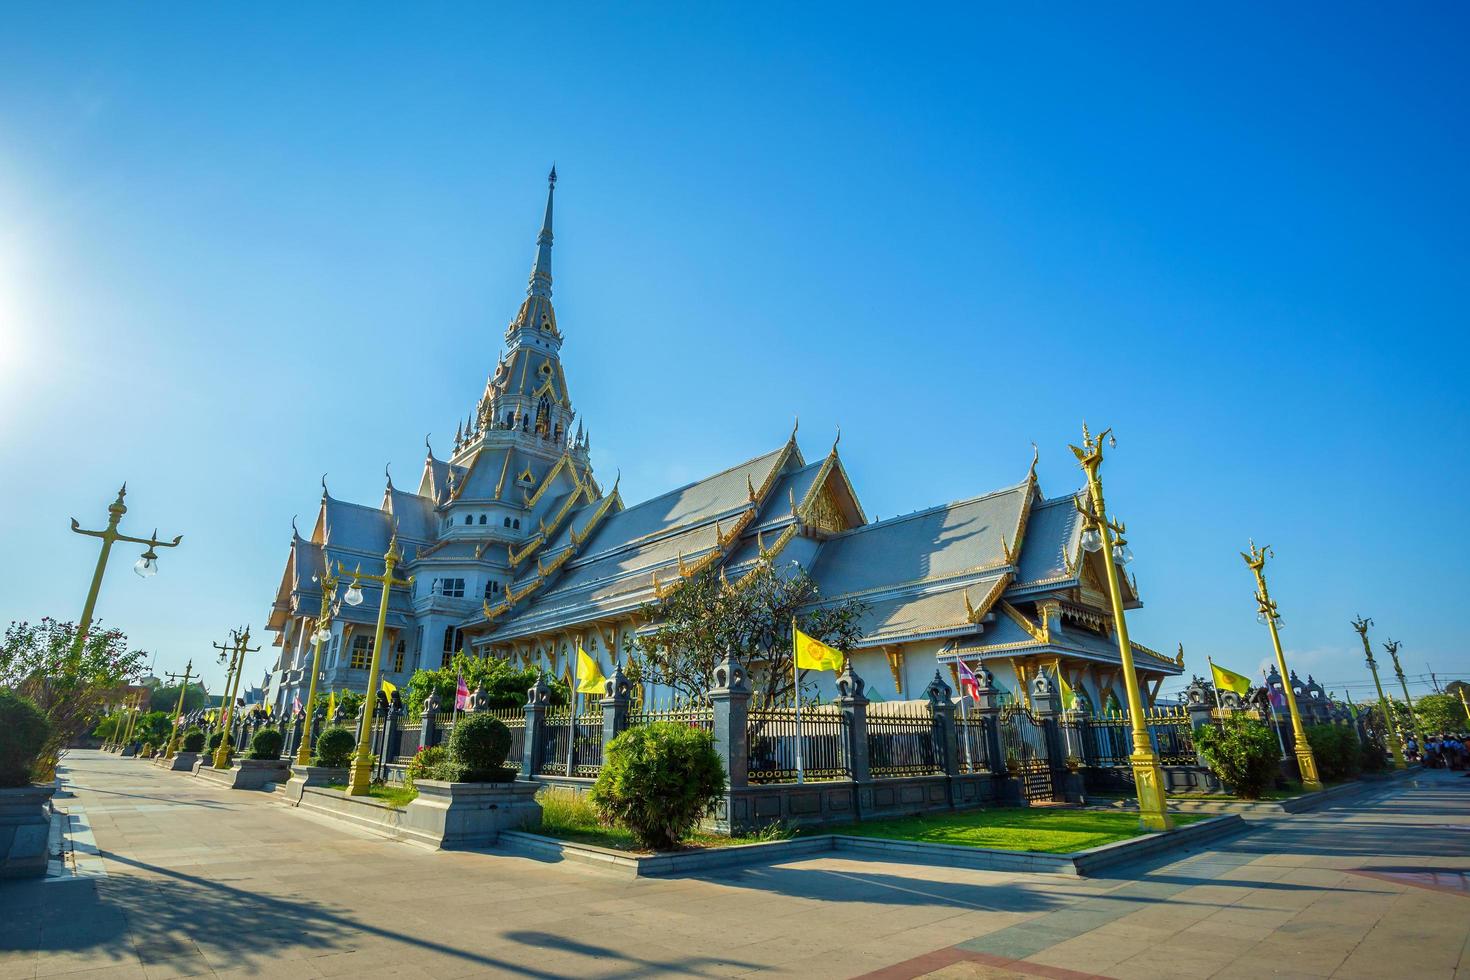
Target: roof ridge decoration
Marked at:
504, 470
977, 613
565, 462
1041, 634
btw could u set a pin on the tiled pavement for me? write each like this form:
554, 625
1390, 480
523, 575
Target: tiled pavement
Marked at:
198, 880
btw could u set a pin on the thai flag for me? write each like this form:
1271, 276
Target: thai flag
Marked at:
296, 705
461, 695
1278, 698
969, 683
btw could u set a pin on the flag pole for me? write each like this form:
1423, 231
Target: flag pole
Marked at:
796, 690
572, 717
1219, 708
1066, 731
965, 727
1271, 707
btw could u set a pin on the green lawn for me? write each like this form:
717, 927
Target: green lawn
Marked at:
1044, 829
395, 796
568, 817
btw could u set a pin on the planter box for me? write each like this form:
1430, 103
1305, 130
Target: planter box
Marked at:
25, 830
183, 762
247, 773
304, 776
456, 815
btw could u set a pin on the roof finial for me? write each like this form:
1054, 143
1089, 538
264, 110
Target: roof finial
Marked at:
293, 526
1035, 458
387, 474
836, 441
541, 271
324, 486
795, 424
427, 446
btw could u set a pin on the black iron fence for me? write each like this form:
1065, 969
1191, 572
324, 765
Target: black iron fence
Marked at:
902, 740
773, 744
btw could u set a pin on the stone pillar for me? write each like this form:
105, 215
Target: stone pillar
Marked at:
941, 706
1047, 707
537, 698
730, 698
427, 734
852, 701
615, 703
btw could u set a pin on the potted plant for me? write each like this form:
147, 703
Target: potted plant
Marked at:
470, 797
25, 807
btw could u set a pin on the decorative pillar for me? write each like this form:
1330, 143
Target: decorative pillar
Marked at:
730, 698
1046, 705
853, 703
427, 735
615, 702
537, 698
941, 707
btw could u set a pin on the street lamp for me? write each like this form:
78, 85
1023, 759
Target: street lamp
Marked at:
146, 566
362, 761
320, 635
1391, 730
173, 739
1392, 646
1148, 776
1266, 612
236, 650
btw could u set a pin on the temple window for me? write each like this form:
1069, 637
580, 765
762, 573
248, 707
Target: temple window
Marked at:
507, 522
451, 588
492, 588
516, 524
482, 518
452, 639
469, 518
398, 656
362, 652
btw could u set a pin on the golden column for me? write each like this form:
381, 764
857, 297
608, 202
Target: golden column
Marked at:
362, 762
133, 711
1267, 613
174, 737
1148, 776
1392, 646
236, 651
1463, 706
146, 565
1362, 625
328, 582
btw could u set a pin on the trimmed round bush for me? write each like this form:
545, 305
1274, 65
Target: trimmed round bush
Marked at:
194, 740
658, 780
267, 744
1337, 750
215, 738
23, 733
334, 748
427, 763
1243, 753
477, 749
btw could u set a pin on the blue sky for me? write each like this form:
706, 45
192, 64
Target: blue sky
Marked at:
243, 245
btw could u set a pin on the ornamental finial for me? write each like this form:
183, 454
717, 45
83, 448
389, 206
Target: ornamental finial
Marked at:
324, 486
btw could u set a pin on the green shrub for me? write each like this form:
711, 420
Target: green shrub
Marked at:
1374, 753
1243, 754
215, 738
658, 780
477, 749
267, 744
194, 740
1336, 748
23, 733
425, 764
334, 748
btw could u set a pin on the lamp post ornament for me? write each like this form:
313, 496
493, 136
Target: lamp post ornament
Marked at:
1098, 529
1267, 612
134, 709
328, 582
146, 566
1392, 646
362, 761
1362, 625
173, 738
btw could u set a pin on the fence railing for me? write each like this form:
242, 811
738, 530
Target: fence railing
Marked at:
973, 744
1173, 739
587, 745
902, 742
1107, 741
554, 750
698, 717
772, 741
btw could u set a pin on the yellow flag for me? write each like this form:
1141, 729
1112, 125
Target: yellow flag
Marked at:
1229, 680
268, 711
813, 654
589, 673
388, 688
331, 704
1065, 688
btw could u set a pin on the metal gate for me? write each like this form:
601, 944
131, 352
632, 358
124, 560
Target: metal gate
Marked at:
1023, 740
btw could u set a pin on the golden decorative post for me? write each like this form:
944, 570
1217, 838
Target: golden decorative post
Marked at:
1463, 706
1392, 646
174, 738
1267, 613
1392, 734
362, 761
1148, 776
237, 651
133, 711
146, 566
328, 582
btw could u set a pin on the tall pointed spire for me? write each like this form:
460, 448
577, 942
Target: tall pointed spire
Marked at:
541, 272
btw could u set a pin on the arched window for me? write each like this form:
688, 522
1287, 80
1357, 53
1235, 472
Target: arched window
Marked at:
482, 518
469, 518
516, 523
507, 522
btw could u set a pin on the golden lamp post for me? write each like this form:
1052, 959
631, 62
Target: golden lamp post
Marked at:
362, 760
146, 565
1267, 613
1392, 646
236, 651
1148, 776
134, 710
323, 632
174, 736
1362, 625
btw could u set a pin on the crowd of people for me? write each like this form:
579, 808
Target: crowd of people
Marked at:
1439, 752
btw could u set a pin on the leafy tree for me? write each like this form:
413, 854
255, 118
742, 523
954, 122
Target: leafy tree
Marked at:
1337, 750
167, 698
1442, 714
23, 733
706, 615
658, 780
70, 688
505, 685
155, 727
1243, 753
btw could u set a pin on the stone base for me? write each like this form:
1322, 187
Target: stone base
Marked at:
25, 831
304, 776
457, 815
247, 773
184, 762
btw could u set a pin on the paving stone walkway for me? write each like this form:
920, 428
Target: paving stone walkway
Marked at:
190, 879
